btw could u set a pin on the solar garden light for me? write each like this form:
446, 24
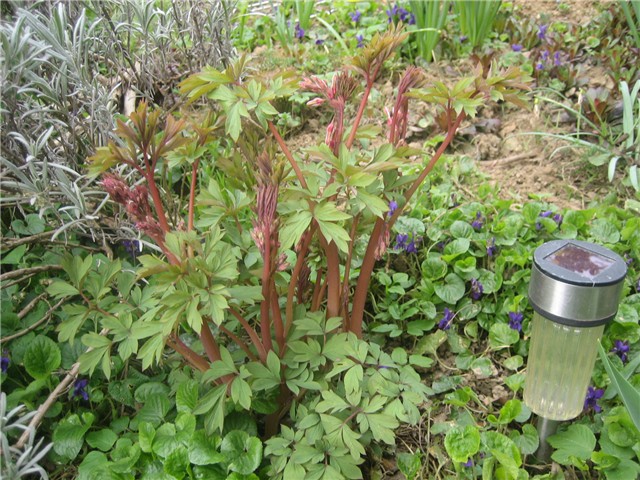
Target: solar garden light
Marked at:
574, 291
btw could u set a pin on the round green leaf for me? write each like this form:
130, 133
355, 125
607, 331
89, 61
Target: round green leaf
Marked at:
244, 453
68, 436
462, 443
203, 449
603, 231
455, 249
460, 229
102, 439
502, 335
452, 290
433, 267
177, 463
42, 357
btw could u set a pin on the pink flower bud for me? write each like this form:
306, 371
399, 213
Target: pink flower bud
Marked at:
316, 102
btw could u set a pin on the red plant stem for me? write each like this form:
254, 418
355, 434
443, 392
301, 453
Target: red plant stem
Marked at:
363, 104
316, 298
157, 201
262, 353
333, 277
418, 181
278, 325
196, 361
304, 248
212, 349
318, 301
339, 119
368, 262
265, 323
241, 343
192, 194
287, 153
347, 270
209, 343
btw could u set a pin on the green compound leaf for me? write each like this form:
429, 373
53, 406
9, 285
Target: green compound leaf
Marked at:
41, 357
577, 441
462, 443
244, 453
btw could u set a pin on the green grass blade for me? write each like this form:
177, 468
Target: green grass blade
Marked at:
629, 395
634, 27
335, 35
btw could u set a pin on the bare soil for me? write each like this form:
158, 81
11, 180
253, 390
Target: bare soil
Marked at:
506, 142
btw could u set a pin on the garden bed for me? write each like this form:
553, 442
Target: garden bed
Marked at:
279, 267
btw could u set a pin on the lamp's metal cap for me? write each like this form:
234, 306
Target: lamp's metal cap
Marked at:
576, 283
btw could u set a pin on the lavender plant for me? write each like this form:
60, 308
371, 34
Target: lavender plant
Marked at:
255, 286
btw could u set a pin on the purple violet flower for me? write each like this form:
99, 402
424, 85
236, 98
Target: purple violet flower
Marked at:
355, 16
476, 289
558, 219
132, 247
299, 32
628, 260
542, 32
411, 247
401, 241
4, 363
591, 400
557, 61
319, 41
515, 321
539, 66
445, 323
621, 348
546, 214
491, 247
406, 16
478, 222
468, 463
516, 47
360, 39
392, 12
463, 38
79, 389
545, 55
393, 206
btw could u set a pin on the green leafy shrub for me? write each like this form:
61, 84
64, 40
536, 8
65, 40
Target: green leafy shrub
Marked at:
275, 282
